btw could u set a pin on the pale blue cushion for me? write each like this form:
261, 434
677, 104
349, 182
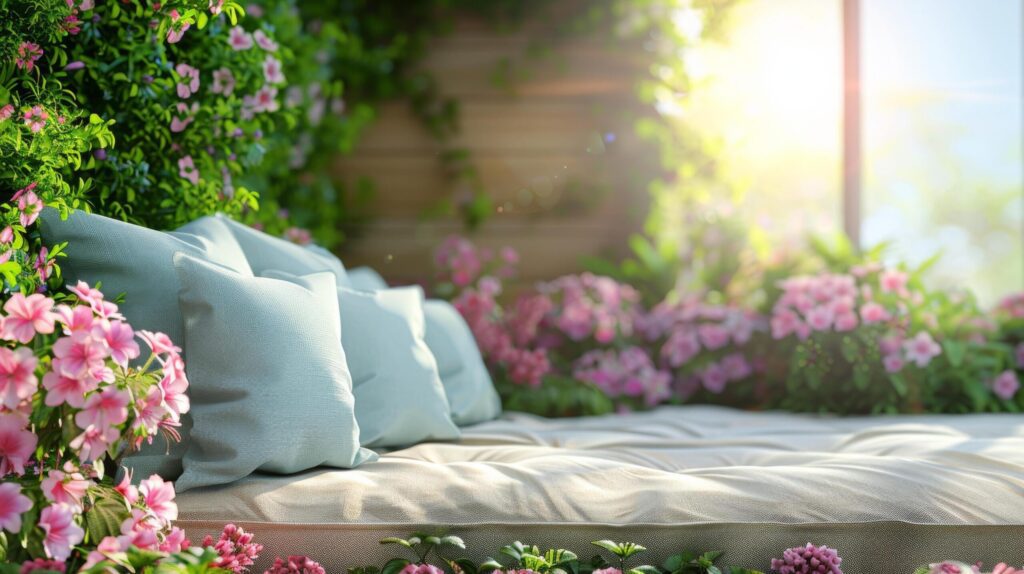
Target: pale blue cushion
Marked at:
268, 253
467, 383
399, 396
269, 383
138, 262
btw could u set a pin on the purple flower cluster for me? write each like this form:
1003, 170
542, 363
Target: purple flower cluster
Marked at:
808, 559
627, 373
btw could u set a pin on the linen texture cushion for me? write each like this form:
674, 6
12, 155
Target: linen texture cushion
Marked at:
467, 384
266, 252
399, 396
137, 261
269, 384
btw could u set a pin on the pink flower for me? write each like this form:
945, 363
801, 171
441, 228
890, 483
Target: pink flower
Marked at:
893, 281
264, 41
66, 488
846, 322
86, 294
106, 547
216, 6
223, 81
873, 313
120, 340
93, 442
27, 316
28, 53
714, 378
42, 565
35, 118
24, 190
16, 443
160, 343
235, 548
6, 111
17, 376
820, 318
83, 356
807, 560
921, 349
607, 571
680, 347
785, 322
893, 363
713, 336
1006, 385
177, 31
106, 408
265, 100
736, 367
12, 505
127, 489
421, 569
61, 389
187, 169
239, 39
77, 318
175, 541
189, 83
61, 532
30, 206
272, 70
43, 264
184, 116
296, 565
158, 496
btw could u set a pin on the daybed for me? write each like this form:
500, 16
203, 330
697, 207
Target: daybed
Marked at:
890, 493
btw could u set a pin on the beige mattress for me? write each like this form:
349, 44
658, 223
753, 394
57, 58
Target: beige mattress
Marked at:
889, 493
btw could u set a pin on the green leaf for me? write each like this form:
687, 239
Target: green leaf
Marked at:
955, 351
393, 540
646, 570
452, 541
104, 518
394, 566
608, 545
490, 564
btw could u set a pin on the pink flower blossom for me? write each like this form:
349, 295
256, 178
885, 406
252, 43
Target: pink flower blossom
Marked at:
16, 443
83, 355
12, 505
807, 560
189, 82
893, 281
28, 53
92, 443
160, 343
158, 496
607, 571
27, 316
6, 111
736, 367
265, 100
184, 116
820, 318
66, 488
177, 31
61, 532
297, 565
120, 340
873, 313
35, 118
126, 489
216, 6
223, 81
30, 207
106, 408
40, 565
272, 71
1006, 385
187, 170
846, 322
175, 541
77, 318
680, 347
43, 264
239, 39
421, 569
86, 294
264, 41
713, 336
235, 548
893, 363
17, 376
921, 349
62, 389
714, 378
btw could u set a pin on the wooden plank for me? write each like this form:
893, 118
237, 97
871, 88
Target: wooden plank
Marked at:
407, 186
402, 250
527, 125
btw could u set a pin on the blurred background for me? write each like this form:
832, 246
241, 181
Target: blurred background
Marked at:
564, 127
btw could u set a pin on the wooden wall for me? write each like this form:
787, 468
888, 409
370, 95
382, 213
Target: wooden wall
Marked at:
554, 154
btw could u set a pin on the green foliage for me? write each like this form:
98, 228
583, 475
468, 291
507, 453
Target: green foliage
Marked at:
196, 560
558, 396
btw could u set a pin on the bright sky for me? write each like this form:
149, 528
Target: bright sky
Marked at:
942, 126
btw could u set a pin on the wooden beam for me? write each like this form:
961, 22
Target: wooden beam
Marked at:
851, 121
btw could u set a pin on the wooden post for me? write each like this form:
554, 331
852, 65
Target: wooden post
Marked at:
851, 121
